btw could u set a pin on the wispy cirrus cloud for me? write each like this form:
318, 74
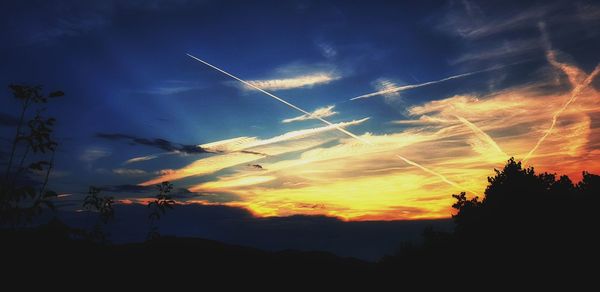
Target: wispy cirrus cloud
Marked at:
129, 171
307, 80
353, 180
389, 90
236, 156
502, 51
322, 112
461, 137
506, 33
245, 143
171, 87
450, 145
327, 50
513, 114
482, 136
295, 75
575, 76
141, 158
92, 154
453, 144
469, 20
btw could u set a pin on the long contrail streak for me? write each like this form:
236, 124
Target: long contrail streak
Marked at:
411, 86
572, 73
280, 100
576, 91
327, 122
443, 178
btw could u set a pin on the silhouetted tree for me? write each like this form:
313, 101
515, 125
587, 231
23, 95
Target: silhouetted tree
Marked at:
589, 186
524, 219
21, 198
104, 206
520, 203
159, 207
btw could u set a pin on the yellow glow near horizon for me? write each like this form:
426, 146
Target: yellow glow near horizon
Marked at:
461, 138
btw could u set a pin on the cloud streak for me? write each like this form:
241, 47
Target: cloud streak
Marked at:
575, 76
236, 153
322, 112
337, 127
573, 96
388, 90
354, 180
301, 81
482, 135
445, 146
275, 97
92, 154
129, 171
472, 24
141, 158
156, 143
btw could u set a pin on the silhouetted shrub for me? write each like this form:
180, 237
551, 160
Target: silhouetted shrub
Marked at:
159, 206
31, 151
104, 206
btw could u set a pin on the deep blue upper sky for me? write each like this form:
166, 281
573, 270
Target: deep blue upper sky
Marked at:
124, 69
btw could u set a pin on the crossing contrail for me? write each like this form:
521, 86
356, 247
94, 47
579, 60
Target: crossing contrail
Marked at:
411, 86
443, 178
482, 135
573, 74
327, 122
576, 91
280, 100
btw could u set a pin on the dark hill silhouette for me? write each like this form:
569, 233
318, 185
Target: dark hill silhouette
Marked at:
529, 226
52, 249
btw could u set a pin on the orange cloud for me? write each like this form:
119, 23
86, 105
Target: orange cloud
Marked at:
461, 138
273, 146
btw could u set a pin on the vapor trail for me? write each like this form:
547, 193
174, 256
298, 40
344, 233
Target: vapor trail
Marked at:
576, 91
443, 178
481, 134
327, 122
411, 86
281, 100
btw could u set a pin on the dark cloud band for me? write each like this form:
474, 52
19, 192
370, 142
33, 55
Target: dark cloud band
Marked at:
156, 143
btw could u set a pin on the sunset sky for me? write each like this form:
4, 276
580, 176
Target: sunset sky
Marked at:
419, 101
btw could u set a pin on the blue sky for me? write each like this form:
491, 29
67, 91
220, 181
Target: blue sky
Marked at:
128, 82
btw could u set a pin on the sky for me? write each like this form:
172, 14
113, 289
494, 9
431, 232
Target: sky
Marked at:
391, 107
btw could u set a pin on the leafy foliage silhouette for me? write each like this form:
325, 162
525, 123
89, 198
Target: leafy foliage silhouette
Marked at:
518, 201
104, 206
159, 206
20, 198
537, 220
